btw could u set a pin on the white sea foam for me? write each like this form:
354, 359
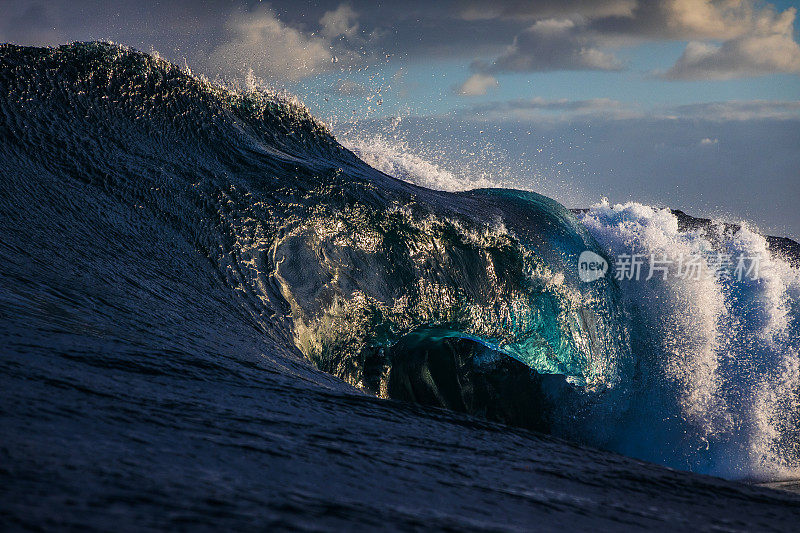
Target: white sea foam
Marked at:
395, 158
719, 380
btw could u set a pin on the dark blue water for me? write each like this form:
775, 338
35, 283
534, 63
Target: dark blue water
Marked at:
206, 301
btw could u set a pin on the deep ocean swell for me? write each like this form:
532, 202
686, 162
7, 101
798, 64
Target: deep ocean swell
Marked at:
200, 284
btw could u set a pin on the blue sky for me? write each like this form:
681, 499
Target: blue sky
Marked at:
552, 85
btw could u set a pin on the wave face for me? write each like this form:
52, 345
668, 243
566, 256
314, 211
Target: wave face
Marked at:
715, 386
144, 205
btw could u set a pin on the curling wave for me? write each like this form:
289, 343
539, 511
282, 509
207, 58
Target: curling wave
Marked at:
469, 300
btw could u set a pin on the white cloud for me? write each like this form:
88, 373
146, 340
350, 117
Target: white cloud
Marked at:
719, 19
542, 109
689, 19
477, 85
671, 19
553, 44
257, 40
757, 38
561, 109
738, 110
708, 141
705, 18
768, 50
339, 22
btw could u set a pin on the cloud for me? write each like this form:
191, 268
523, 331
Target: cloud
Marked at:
477, 85
539, 109
552, 44
738, 110
261, 42
258, 40
708, 141
291, 40
771, 50
339, 22
689, 19
521, 9
757, 38
671, 19
605, 109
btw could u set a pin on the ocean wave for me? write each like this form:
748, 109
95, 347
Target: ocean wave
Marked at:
469, 300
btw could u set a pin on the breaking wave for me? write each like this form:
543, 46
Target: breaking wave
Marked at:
469, 300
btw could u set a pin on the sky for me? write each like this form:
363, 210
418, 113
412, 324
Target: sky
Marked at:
692, 104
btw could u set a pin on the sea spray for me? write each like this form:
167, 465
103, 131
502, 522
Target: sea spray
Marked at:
717, 387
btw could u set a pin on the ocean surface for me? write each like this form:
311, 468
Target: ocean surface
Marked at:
216, 316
